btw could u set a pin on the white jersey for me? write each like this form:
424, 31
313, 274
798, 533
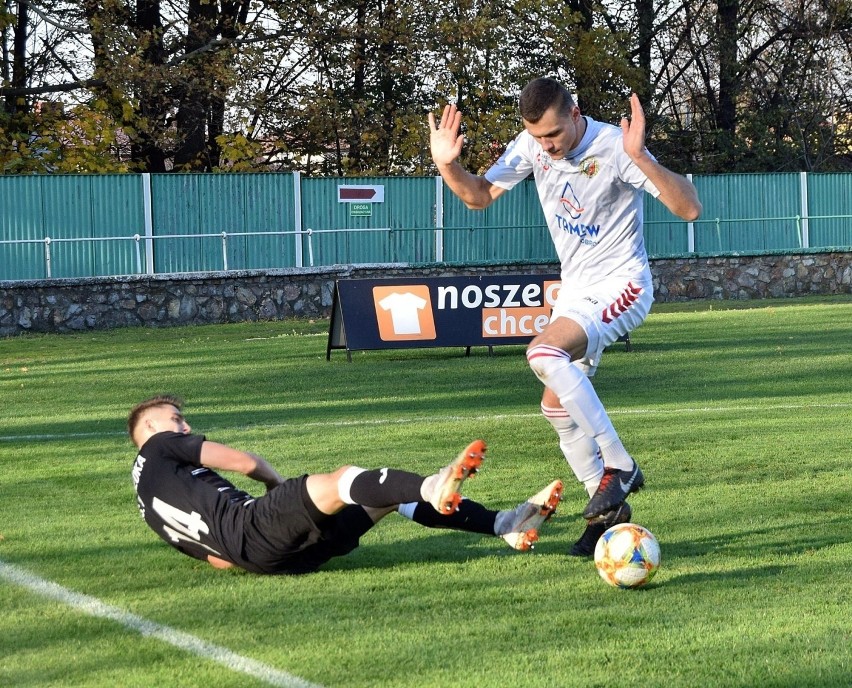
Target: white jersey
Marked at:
592, 202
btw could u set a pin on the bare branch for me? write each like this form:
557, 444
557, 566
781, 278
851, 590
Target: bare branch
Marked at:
219, 43
49, 20
55, 88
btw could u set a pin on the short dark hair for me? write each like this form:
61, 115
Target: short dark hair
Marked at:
539, 95
140, 408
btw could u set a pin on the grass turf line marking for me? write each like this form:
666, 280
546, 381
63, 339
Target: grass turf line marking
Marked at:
183, 641
429, 419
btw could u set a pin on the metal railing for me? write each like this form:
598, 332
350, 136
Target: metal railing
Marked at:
139, 240
49, 241
144, 264
802, 228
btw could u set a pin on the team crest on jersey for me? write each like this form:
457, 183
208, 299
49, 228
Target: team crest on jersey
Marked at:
544, 160
589, 167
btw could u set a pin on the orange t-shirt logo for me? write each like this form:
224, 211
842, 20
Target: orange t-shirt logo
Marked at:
404, 312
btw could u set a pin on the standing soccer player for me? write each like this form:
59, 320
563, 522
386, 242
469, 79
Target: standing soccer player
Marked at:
590, 178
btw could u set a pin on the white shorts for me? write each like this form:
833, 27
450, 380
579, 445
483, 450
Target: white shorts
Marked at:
606, 311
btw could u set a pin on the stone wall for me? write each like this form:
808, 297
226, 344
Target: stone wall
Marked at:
73, 305
753, 277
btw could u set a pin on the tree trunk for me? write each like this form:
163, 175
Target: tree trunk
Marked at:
386, 93
645, 34
190, 154
146, 153
18, 104
585, 87
359, 99
728, 11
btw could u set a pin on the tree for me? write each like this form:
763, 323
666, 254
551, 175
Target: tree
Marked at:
758, 86
343, 87
161, 70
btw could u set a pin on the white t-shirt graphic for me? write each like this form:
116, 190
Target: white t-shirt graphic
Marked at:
403, 309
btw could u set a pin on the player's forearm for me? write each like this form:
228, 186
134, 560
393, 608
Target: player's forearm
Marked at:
472, 190
264, 473
677, 193
681, 198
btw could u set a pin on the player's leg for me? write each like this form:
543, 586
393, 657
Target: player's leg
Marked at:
470, 517
580, 451
582, 328
442, 490
340, 534
585, 545
577, 396
518, 527
549, 356
384, 487
585, 461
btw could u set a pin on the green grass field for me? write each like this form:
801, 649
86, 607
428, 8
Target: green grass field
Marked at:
740, 415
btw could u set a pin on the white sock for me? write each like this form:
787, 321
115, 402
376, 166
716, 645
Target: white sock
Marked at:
345, 483
428, 487
553, 367
407, 509
580, 451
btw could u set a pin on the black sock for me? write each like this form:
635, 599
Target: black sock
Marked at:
386, 487
471, 517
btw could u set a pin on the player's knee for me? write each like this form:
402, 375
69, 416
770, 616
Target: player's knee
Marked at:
545, 360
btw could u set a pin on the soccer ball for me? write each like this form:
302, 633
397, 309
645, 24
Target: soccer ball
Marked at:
627, 555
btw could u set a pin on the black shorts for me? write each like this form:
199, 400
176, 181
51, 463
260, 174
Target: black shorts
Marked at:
282, 537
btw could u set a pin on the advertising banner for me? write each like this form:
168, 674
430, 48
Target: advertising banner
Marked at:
482, 310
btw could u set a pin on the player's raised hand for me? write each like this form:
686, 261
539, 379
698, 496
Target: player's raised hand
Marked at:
444, 137
634, 129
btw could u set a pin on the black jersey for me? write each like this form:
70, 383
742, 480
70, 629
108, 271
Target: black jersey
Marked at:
192, 508
198, 512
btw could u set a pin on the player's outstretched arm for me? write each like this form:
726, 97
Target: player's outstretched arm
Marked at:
677, 193
225, 458
446, 141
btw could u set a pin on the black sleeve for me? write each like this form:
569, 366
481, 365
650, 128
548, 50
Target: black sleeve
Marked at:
183, 448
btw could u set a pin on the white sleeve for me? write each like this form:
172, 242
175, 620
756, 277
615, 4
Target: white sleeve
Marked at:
514, 165
631, 174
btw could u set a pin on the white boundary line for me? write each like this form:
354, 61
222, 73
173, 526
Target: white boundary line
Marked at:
439, 419
183, 641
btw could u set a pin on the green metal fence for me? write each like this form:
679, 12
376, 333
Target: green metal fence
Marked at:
92, 225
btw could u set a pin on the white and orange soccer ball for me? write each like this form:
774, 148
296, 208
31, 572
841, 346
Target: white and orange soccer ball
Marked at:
627, 555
